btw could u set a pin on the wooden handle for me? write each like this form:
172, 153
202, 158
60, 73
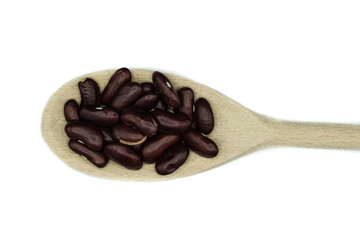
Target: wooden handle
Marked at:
316, 135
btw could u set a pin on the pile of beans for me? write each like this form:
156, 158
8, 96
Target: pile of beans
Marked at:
131, 123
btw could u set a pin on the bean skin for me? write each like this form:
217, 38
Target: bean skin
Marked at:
119, 78
123, 155
171, 122
86, 132
127, 135
165, 89
147, 87
204, 117
96, 158
156, 146
126, 96
71, 110
161, 105
200, 144
101, 117
147, 101
107, 135
90, 93
172, 159
186, 96
140, 119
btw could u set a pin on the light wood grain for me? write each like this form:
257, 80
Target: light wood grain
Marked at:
237, 131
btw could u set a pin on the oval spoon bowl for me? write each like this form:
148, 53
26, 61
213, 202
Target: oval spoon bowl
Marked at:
233, 125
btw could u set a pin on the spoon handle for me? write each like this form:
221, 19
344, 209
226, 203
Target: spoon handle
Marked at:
316, 135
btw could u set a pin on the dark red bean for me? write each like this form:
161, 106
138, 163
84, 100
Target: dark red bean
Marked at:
165, 89
186, 96
119, 78
96, 158
147, 87
204, 117
140, 119
171, 122
90, 93
71, 110
126, 96
86, 132
172, 159
147, 101
161, 105
123, 155
157, 145
102, 117
200, 144
127, 135
107, 135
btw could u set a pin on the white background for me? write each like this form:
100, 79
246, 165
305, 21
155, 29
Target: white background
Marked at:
295, 60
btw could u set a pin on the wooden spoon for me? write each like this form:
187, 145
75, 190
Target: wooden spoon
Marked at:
238, 131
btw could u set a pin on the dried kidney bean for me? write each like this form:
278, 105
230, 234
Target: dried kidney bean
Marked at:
200, 144
204, 118
96, 158
101, 117
119, 78
147, 101
127, 135
157, 145
90, 93
126, 96
139, 119
123, 155
71, 110
86, 132
171, 122
186, 95
172, 159
165, 89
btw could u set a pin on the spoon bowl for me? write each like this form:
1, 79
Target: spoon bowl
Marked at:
238, 131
